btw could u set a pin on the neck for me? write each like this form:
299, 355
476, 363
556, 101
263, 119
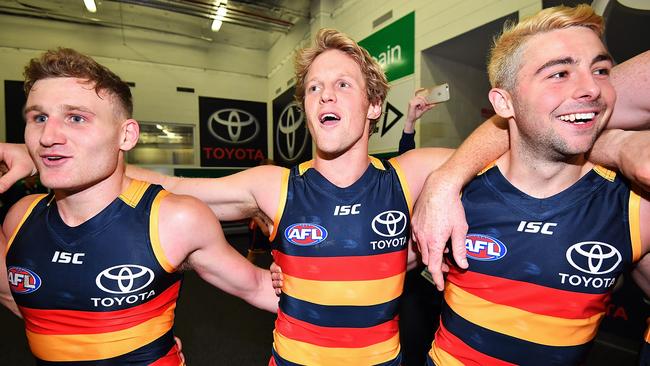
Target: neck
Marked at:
343, 169
79, 205
541, 177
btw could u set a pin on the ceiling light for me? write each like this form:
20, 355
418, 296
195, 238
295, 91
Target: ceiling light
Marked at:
218, 19
216, 25
90, 6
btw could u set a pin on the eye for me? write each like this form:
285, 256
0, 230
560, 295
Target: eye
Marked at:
344, 84
77, 119
312, 88
40, 118
559, 75
601, 71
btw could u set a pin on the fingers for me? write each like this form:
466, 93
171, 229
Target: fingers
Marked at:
10, 178
435, 265
458, 248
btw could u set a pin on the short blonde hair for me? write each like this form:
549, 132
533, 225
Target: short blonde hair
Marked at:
505, 55
328, 39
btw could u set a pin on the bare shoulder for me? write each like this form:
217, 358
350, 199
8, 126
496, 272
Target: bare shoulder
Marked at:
427, 159
16, 213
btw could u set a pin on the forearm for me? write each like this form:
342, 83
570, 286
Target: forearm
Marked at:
631, 79
488, 142
263, 296
629, 151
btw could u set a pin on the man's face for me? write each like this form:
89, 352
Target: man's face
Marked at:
563, 97
71, 133
336, 103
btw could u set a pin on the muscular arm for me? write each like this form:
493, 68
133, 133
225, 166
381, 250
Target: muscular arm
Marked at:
438, 213
628, 151
238, 196
190, 233
631, 79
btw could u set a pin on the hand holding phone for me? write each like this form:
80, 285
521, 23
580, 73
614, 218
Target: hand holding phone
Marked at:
435, 94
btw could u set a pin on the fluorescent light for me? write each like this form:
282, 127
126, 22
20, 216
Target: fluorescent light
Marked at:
90, 6
216, 25
222, 11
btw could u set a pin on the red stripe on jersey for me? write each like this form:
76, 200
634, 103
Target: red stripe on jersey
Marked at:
334, 336
343, 268
172, 358
45, 321
529, 296
465, 354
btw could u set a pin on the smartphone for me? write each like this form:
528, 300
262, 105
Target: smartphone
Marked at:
435, 94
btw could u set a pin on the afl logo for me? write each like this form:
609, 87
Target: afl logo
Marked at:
291, 135
124, 279
484, 248
593, 257
233, 126
305, 234
22, 280
389, 223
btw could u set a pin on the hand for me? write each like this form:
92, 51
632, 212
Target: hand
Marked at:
417, 107
18, 162
439, 215
276, 277
179, 345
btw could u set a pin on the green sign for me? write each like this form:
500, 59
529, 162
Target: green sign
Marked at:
394, 47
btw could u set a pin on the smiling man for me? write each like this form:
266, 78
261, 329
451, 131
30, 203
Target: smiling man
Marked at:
549, 232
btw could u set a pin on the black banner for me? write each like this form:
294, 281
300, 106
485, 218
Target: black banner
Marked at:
232, 133
291, 139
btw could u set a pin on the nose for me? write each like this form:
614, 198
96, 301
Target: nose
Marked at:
52, 133
327, 95
587, 87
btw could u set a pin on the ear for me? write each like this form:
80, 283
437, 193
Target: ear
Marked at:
374, 111
502, 102
129, 134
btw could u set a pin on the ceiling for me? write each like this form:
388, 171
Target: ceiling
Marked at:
253, 24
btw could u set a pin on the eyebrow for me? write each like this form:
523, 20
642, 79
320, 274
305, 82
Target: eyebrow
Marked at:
65, 107
572, 61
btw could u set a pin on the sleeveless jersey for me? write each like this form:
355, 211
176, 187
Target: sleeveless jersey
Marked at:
343, 254
101, 293
540, 271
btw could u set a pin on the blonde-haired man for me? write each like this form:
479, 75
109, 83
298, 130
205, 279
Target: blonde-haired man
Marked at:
549, 232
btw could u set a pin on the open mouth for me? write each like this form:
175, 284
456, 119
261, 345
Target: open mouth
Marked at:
328, 118
578, 118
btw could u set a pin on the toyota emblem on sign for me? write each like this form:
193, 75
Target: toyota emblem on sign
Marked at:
290, 122
233, 126
593, 257
124, 279
389, 223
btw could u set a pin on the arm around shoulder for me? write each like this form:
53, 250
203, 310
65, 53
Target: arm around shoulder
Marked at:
190, 233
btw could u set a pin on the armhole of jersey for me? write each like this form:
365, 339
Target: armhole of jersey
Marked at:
633, 211
403, 182
154, 233
283, 200
29, 210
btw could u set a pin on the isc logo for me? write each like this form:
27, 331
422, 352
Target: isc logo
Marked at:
536, 227
305, 234
484, 248
22, 280
344, 210
65, 257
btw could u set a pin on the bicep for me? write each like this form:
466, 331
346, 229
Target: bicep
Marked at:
631, 79
419, 163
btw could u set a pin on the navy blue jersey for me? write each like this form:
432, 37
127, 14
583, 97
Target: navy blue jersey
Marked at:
102, 292
540, 271
343, 255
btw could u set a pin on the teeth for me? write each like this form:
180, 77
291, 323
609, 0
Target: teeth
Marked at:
580, 117
328, 117
53, 157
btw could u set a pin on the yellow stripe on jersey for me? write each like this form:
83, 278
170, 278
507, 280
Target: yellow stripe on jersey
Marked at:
403, 182
440, 357
154, 233
542, 329
134, 192
31, 206
284, 186
310, 354
356, 293
304, 166
634, 209
88, 347
647, 334
376, 163
610, 175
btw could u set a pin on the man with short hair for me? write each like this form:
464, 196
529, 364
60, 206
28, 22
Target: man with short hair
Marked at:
549, 232
95, 266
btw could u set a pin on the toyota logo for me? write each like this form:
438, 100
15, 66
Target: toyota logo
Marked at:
389, 223
233, 126
593, 257
291, 126
124, 279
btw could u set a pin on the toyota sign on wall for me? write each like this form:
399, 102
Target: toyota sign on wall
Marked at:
233, 132
291, 141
